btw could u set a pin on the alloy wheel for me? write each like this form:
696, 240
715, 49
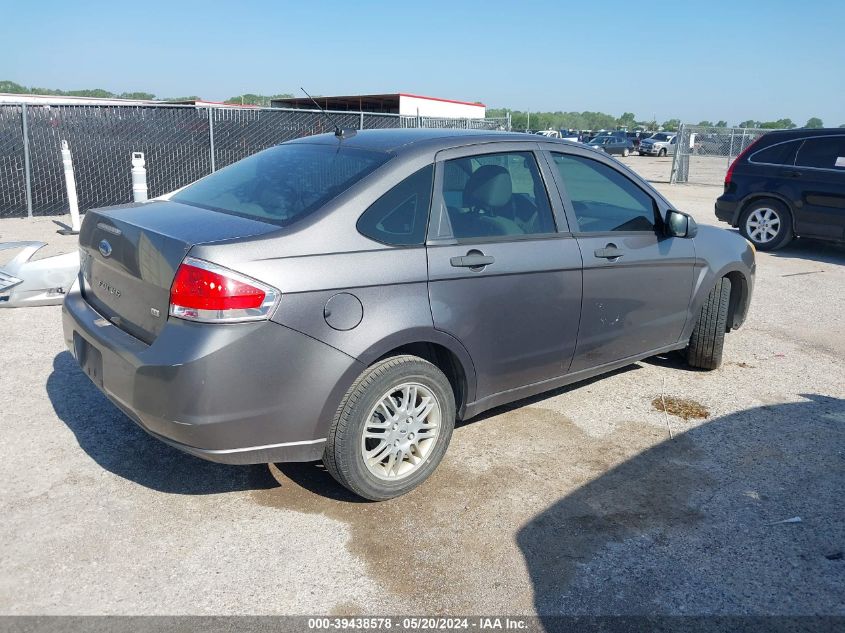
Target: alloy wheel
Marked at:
401, 431
763, 225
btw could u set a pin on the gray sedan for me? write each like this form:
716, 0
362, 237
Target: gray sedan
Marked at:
346, 297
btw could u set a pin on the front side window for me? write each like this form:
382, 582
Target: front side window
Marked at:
492, 195
284, 183
400, 216
823, 153
604, 199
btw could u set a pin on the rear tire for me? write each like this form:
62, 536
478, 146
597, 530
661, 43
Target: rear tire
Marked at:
391, 429
625, 152
767, 224
708, 337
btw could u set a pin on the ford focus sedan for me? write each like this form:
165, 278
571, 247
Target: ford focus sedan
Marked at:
348, 297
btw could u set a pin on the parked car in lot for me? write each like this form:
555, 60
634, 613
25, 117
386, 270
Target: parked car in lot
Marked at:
348, 297
613, 144
660, 144
788, 183
566, 135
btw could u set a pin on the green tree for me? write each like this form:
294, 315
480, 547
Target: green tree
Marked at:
722, 124
671, 125
814, 123
94, 92
627, 120
12, 88
749, 123
254, 99
780, 124
705, 123
843, 125
137, 95
191, 98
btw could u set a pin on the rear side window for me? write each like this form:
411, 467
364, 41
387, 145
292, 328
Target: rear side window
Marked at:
284, 183
778, 154
400, 216
604, 199
823, 153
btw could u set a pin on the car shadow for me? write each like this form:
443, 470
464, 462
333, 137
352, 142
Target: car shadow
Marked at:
739, 516
816, 250
120, 446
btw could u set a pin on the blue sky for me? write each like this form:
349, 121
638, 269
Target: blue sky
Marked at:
692, 60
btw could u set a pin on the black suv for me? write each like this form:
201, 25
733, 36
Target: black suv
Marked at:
788, 183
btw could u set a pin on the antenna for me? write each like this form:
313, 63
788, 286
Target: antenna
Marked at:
338, 131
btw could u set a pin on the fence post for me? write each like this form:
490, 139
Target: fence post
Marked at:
26, 161
211, 136
731, 148
361, 125
70, 183
673, 175
509, 121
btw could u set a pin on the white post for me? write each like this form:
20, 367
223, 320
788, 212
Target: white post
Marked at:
70, 180
139, 177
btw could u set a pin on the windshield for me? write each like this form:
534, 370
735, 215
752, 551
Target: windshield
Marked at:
601, 140
660, 137
284, 183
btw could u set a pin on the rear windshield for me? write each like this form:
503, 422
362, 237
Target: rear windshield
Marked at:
284, 183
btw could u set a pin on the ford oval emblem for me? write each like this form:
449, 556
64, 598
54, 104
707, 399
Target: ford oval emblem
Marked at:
105, 248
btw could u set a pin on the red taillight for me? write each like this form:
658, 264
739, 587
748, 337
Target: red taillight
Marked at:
203, 291
730, 174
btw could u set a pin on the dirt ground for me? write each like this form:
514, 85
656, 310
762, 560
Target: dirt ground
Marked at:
587, 500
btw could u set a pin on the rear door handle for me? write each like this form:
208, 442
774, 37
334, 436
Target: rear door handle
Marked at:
608, 252
473, 259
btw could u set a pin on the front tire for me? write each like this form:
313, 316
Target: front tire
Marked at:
767, 224
625, 152
708, 337
391, 429
661, 153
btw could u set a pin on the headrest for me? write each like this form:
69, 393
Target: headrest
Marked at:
489, 186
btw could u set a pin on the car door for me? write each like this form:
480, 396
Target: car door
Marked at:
637, 281
504, 271
818, 178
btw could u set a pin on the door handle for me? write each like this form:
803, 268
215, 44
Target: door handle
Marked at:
608, 252
473, 259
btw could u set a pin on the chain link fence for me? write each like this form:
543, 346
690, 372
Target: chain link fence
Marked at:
180, 144
703, 154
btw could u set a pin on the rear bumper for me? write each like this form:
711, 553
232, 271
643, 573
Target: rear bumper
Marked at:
726, 210
236, 393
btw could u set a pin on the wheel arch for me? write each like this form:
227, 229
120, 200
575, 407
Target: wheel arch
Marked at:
739, 301
440, 349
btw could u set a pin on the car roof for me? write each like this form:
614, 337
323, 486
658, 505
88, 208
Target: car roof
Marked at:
804, 132
398, 140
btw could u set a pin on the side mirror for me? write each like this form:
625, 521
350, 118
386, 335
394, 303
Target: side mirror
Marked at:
680, 224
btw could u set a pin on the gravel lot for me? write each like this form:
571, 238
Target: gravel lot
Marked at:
577, 502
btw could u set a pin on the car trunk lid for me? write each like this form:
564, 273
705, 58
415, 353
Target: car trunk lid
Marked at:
129, 256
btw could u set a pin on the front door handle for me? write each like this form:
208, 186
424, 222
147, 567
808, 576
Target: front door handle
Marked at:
474, 259
608, 252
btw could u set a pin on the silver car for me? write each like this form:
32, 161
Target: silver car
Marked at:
348, 297
660, 144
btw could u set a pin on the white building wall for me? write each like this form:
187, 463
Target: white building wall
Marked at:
428, 106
